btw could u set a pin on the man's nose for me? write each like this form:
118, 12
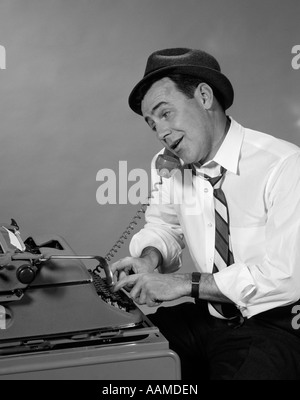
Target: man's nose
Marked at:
163, 132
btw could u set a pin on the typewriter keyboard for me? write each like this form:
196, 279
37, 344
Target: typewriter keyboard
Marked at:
117, 299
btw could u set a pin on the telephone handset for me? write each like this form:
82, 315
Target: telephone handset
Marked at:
166, 163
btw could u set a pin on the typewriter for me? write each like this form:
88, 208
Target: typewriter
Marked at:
49, 299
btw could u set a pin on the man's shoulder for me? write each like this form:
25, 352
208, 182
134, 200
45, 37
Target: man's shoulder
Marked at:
269, 144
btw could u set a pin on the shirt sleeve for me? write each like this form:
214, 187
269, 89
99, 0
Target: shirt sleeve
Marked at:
162, 228
276, 280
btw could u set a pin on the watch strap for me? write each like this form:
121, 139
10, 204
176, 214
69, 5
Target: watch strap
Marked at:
195, 284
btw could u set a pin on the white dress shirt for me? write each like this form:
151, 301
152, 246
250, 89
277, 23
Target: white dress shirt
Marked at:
262, 188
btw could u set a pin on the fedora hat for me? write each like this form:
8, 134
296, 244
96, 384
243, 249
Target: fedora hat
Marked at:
186, 61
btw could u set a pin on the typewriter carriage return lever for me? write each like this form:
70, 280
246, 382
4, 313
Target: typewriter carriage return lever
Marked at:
102, 264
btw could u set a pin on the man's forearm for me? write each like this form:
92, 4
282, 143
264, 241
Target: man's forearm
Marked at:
208, 290
153, 255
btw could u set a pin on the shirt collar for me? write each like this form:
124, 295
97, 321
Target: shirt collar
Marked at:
228, 154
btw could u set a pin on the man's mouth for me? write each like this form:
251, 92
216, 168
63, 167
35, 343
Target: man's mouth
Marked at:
175, 145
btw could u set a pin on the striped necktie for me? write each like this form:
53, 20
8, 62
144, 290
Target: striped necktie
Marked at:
223, 253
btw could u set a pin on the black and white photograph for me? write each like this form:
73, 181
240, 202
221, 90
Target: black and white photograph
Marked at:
150, 193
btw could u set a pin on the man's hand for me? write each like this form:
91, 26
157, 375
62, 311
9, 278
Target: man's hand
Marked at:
129, 266
149, 260
151, 289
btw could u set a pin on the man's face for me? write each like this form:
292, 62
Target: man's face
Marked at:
181, 124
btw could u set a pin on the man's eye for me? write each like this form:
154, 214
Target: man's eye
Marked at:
165, 114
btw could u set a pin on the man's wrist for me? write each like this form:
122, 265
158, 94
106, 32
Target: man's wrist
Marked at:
153, 255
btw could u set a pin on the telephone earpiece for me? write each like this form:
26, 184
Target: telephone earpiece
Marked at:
166, 163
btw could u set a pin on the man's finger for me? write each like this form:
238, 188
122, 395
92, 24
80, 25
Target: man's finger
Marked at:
121, 275
127, 280
138, 290
121, 264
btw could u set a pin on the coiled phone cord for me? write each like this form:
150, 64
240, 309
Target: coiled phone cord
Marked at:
165, 164
128, 231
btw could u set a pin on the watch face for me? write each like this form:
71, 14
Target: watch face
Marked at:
196, 277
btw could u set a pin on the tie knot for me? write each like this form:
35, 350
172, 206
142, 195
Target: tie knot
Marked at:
214, 180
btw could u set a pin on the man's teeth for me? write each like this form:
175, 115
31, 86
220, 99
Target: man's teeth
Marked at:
176, 144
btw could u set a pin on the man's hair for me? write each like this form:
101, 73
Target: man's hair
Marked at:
187, 84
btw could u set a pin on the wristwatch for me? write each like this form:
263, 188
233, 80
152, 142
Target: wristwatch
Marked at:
195, 284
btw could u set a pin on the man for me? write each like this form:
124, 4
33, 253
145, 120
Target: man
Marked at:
240, 217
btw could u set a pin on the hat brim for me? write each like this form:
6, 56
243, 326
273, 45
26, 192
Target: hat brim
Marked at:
216, 79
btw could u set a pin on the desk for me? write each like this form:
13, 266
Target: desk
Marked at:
147, 359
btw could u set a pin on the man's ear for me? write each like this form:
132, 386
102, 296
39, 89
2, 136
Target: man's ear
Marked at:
204, 94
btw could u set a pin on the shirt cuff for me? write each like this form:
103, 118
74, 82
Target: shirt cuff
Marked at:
236, 283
